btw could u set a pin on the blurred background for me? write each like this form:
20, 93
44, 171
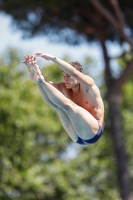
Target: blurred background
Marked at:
38, 161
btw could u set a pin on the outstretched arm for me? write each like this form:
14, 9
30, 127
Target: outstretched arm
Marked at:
85, 80
29, 62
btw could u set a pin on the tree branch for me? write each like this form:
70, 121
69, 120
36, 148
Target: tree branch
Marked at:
124, 76
108, 75
98, 6
81, 27
118, 12
119, 16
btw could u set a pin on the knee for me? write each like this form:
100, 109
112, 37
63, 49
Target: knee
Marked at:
68, 105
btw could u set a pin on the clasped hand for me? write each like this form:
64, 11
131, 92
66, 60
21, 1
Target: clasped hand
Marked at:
29, 58
30, 62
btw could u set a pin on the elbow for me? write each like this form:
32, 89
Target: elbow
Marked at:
92, 82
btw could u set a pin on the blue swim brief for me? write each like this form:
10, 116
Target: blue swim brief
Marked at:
92, 140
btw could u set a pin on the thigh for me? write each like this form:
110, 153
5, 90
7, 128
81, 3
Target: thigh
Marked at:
66, 123
85, 125
46, 98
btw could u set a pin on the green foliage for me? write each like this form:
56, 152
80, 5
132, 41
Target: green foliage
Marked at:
32, 140
127, 112
126, 58
36, 153
28, 130
53, 73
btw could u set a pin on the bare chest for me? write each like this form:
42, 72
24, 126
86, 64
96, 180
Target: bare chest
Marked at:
90, 101
81, 99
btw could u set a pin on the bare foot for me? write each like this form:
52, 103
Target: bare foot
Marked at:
35, 72
33, 69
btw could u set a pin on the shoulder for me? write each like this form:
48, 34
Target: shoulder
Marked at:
83, 79
91, 88
89, 80
60, 86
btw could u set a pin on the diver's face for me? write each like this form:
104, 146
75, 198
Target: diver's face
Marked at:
69, 81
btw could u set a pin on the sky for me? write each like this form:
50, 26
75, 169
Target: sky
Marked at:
13, 38
41, 44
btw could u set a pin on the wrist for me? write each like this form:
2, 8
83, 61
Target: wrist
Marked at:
53, 58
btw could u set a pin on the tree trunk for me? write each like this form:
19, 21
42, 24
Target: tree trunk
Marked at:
114, 102
119, 145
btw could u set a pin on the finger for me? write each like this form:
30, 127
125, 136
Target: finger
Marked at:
34, 57
25, 57
30, 63
34, 62
38, 54
24, 62
28, 56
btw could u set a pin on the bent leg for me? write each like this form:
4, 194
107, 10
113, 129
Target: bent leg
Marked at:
84, 124
46, 98
66, 123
